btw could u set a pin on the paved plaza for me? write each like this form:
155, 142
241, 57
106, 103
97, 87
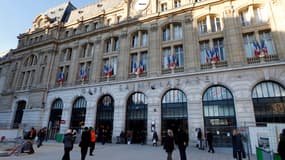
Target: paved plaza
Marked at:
54, 151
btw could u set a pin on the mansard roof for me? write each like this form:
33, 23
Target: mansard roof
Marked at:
60, 13
94, 9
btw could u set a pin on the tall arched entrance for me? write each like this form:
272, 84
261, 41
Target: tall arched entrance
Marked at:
269, 103
105, 117
174, 112
19, 114
78, 113
55, 118
136, 117
219, 114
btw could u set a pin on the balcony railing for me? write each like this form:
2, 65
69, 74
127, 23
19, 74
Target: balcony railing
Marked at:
216, 64
172, 70
264, 58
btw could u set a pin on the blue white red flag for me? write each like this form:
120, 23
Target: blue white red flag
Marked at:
60, 77
256, 48
108, 70
208, 56
83, 74
174, 61
140, 68
264, 48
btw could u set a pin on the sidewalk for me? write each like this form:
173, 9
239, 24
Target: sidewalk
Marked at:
54, 151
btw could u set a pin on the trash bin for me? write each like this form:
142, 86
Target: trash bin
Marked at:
259, 153
59, 137
276, 156
263, 154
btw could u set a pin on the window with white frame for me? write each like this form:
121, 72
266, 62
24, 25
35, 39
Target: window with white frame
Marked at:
216, 24
260, 15
110, 66
177, 31
266, 43
210, 23
248, 44
172, 57
253, 15
245, 18
163, 7
177, 3
144, 38
166, 33
202, 24
204, 52
172, 31
112, 44
139, 62
219, 49
135, 40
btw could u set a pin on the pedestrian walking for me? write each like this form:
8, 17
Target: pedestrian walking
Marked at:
182, 143
154, 138
85, 142
209, 137
200, 139
92, 140
41, 136
238, 149
68, 144
168, 145
281, 145
103, 136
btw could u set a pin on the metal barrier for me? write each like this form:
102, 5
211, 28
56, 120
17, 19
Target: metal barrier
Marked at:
263, 154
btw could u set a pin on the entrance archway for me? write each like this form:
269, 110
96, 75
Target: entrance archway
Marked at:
19, 113
269, 103
174, 113
55, 118
105, 117
78, 113
136, 118
219, 114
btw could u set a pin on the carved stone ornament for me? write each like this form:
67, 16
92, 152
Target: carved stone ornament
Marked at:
188, 19
154, 27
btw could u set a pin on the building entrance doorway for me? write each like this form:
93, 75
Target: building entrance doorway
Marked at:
136, 119
174, 112
104, 119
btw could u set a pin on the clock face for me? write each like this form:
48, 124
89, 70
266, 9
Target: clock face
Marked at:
140, 5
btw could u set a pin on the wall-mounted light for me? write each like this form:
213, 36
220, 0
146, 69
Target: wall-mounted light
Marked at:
152, 87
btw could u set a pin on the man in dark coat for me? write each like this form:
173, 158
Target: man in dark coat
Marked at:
85, 142
168, 144
182, 142
209, 136
238, 149
281, 145
68, 144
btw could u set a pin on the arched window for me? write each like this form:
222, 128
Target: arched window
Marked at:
136, 117
219, 114
174, 112
78, 113
105, 117
269, 102
55, 118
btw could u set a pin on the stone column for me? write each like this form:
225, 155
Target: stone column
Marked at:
154, 51
233, 42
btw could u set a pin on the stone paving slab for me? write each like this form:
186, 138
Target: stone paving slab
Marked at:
54, 151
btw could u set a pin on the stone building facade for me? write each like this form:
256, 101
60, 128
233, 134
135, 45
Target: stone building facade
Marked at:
144, 65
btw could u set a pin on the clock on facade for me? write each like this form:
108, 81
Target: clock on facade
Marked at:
140, 5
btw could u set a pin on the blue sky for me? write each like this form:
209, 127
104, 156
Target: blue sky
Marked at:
17, 16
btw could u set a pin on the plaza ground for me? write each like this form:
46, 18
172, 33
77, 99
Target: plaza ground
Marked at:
54, 151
